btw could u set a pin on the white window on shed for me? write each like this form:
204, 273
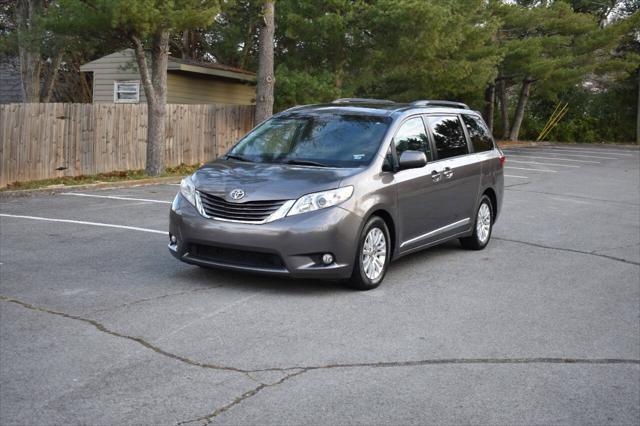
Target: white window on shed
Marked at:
126, 91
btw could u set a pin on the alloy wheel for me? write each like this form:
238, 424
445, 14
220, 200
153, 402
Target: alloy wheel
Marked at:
483, 223
374, 253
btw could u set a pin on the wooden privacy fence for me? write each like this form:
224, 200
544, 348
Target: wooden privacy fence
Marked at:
42, 141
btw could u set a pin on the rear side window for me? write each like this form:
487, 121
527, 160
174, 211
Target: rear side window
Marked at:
449, 136
413, 136
478, 132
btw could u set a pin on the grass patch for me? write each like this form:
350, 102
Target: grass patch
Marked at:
181, 170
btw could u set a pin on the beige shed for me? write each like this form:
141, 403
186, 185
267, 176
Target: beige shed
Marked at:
116, 80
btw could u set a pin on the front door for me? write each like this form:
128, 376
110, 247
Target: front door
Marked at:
417, 188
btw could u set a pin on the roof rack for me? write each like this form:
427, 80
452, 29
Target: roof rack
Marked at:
427, 103
362, 101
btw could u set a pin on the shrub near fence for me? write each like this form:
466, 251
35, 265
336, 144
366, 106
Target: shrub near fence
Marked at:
43, 141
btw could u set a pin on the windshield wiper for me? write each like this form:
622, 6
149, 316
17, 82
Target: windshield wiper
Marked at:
306, 163
237, 157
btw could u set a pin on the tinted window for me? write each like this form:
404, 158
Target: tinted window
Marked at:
413, 136
478, 133
325, 139
449, 136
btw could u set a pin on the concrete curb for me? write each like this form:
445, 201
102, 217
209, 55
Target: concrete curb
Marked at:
100, 185
509, 144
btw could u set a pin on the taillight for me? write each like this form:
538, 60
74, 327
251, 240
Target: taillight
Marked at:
502, 160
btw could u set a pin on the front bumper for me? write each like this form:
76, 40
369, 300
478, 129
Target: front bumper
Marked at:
298, 241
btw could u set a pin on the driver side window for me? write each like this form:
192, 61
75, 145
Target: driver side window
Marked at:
413, 136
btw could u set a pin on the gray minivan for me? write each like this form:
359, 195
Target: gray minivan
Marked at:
337, 191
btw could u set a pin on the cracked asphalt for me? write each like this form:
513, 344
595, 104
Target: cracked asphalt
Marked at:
100, 325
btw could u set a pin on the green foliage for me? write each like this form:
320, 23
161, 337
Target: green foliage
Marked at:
8, 29
593, 117
232, 39
301, 88
584, 52
427, 49
552, 46
320, 41
124, 18
561, 47
33, 34
396, 49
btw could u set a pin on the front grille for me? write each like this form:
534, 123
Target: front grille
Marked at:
228, 256
249, 211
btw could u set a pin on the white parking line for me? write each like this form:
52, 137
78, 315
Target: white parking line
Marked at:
81, 222
592, 151
533, 170
544, 164
113, 197
516, 176
556, 158
583, 155
550, 152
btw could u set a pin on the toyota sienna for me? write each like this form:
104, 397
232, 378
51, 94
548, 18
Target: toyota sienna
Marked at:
337, 191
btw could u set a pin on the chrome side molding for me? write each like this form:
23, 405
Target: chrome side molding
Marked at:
437, 231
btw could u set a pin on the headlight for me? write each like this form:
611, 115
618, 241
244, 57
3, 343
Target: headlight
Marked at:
188, 190
321, 200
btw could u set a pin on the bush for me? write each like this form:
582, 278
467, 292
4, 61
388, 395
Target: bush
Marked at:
593, 117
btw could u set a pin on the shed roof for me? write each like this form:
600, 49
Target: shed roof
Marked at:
177, 65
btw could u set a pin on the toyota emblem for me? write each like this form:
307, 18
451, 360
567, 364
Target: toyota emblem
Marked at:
236, 194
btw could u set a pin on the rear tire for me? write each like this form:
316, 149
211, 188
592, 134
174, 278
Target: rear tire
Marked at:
482, 226
372, 257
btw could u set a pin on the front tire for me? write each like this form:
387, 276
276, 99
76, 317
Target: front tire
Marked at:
373, 256
482, 227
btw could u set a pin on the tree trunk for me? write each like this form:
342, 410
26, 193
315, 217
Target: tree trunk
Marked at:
519, 115
638, 112
155, 88
28, 49
266, 78
489, 98
185, 45
52, 76
30, 75
504, 107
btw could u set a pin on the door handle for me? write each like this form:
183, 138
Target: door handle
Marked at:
436, 176
448, 173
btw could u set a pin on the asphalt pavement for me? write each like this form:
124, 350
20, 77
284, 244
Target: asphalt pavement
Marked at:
100, 325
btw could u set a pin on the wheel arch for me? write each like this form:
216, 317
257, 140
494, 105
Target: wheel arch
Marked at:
489, 192
391, 226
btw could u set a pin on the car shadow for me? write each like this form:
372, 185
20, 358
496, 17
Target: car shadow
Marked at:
257, 282
303, 287
431, 253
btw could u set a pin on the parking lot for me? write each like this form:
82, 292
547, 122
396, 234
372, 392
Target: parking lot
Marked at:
100, 325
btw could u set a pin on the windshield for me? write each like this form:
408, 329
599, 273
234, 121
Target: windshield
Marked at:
329, 140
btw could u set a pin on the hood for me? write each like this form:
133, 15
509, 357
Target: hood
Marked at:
263, 181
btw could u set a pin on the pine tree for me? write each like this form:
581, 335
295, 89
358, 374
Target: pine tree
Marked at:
549, 47
266, 78
145, 25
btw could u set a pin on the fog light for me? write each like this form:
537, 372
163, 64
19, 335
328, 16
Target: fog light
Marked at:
173, 239
327, 258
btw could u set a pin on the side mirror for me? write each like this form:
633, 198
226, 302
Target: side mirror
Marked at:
412, 160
